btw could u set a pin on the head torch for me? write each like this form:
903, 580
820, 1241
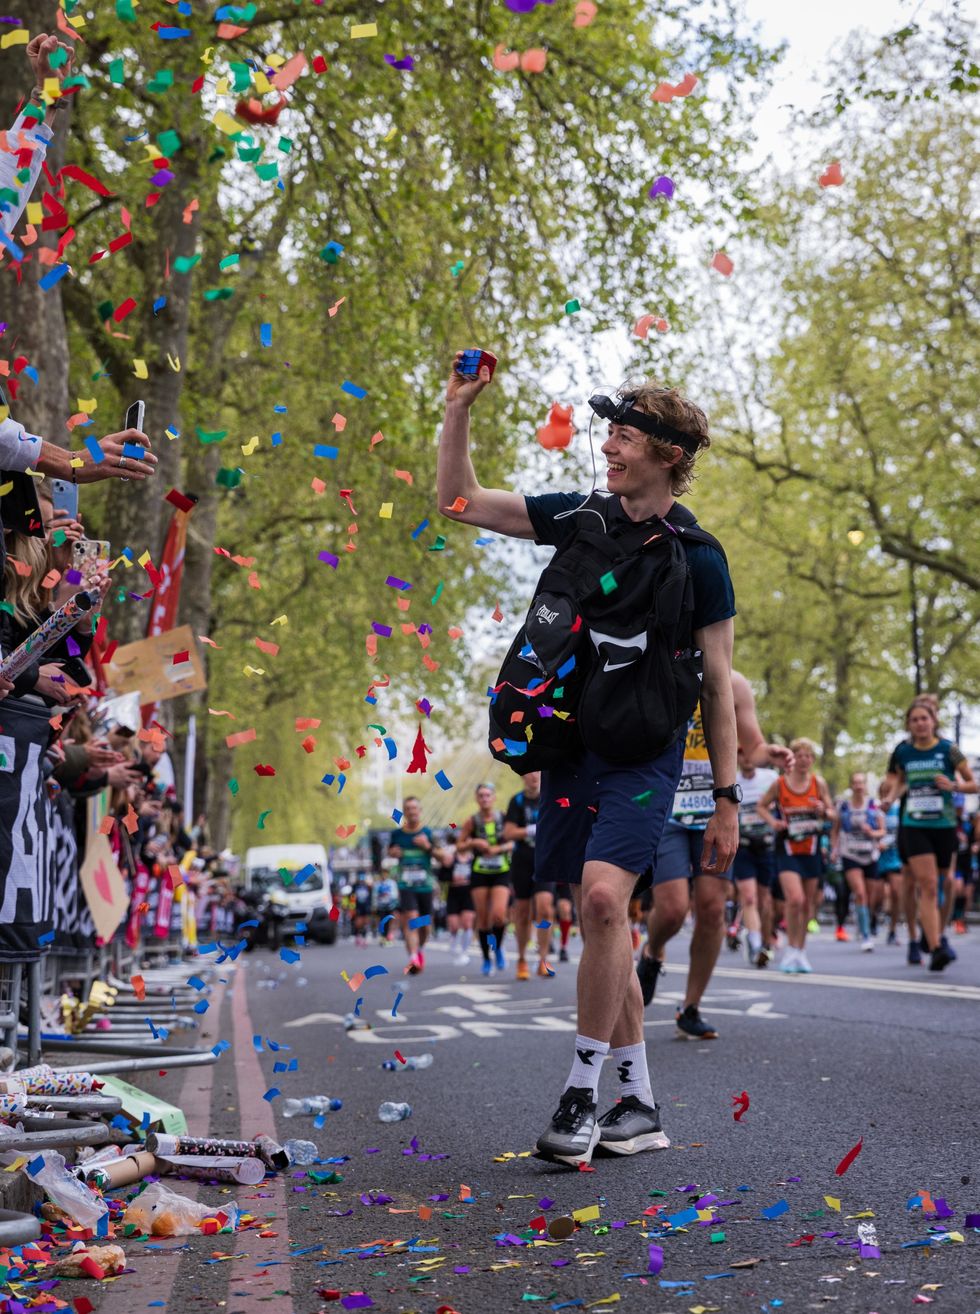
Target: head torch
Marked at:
620, 410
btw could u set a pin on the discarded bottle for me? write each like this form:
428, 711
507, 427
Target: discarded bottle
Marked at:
389, 1112
301, 1152
413, 1062
311, 1106
354, 1023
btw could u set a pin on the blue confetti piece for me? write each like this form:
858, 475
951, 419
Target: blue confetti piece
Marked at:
415, 922
381, 926
392, 748
685, 1216
53, 276
244, 925
482, 542
322, 449
97, 454
515, 747
257, 1044
274, 1045
396, 816
776, 1210
220, 1047
11, 245
279, 409
35, 1165
265, 335
304, 874
159, 304
173, 33
133, 451
398, 1000
201, 1006
376, 970
277, 440
46, 938
566, 668
442, 780
196, 982
542, 926
120, 1123
272, 1093
145, 1121
318, 1122
357, 1006
420, 528
289, 955
353, 390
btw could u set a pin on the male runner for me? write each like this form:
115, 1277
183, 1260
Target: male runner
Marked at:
755, 862
412, 845
679, 864
532, 897
600, 824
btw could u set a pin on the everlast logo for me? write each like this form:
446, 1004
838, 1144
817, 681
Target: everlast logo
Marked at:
543, 614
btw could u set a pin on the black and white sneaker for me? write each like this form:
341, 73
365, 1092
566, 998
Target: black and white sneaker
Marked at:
573, 1132
692, 1026
648, 969
631, 1126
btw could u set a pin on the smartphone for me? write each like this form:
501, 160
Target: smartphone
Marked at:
64, 497
134, 420
86, 553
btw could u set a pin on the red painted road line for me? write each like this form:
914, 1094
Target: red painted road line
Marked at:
249, 1293
156, 1271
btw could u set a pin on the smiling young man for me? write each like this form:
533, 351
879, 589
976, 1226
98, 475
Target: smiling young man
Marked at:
600, 823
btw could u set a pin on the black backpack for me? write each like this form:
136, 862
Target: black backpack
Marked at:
604, 660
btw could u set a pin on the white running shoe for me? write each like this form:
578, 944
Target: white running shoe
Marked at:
789, 962
867, 945
462, 960
802, 962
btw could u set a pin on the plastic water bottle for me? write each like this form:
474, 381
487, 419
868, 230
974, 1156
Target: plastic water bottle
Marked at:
413, 1063
311, 1106
389, 1112
301, 1152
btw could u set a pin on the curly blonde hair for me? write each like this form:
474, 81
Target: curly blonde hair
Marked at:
671, 406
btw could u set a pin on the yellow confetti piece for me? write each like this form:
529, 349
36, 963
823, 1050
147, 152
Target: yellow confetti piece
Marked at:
144, 558
19, 37
832, 1202
606, 1300
360, 30
76, 463
280, 620
262, 84
5, 488
249, 447
226, 124
17, 1164
88, 406
586, 1215
867, 1213
386, 510
35, 474
252, 670
954, 1236
35, 212
140, 370
4, 413
174, 364
208, 55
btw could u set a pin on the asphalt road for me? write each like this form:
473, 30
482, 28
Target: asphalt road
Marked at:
868, 1049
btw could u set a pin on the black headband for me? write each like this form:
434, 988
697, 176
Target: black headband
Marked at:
619, 411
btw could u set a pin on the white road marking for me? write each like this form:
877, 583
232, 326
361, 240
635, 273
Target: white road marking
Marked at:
942, 990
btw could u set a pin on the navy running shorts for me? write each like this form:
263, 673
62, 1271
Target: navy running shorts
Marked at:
758, 864
679, 855
808, 866
595, 811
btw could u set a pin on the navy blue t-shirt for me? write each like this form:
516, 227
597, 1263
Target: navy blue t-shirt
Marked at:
714, 596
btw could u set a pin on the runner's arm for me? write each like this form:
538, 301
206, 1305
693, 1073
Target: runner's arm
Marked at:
721, 737
829, 811
965, 779
751, 740
764, 808
456, 483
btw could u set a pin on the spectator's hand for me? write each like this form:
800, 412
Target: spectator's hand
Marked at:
5, 686
73, 531
114, 465
50, 687
39, 54
462, 390
780, 757
99, 754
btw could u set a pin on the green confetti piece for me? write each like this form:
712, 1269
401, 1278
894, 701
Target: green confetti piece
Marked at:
233, 785
572, 306
559, 692
229, 262
58, 57
228, 478
125, 11
268, 172
184, 264
211, 435
287, 875
285, 145
716, 1237
243, 75
608, 582
59, 537
643, 799
219, 293
250, 154
105, 309
218, 153
260, 825
439, 545
117, 72
438, 593
161, 81
169, 143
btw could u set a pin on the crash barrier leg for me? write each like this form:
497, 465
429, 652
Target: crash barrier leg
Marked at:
71, 1137
174, 1059
18, 1229
9, 1003
34, 1013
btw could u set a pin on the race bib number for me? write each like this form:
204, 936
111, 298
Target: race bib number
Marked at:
802, 829
927, 804
693, 806
414, 875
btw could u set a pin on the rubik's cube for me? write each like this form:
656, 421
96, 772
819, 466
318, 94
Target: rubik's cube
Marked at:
474, 360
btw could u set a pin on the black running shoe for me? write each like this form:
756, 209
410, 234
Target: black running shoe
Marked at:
648, 969
631, 1126
941, 958
945, 944
563, 955
692, 1025
573, 1132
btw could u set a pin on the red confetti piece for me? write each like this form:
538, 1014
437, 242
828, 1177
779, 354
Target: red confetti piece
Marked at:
849, 1158
741, 1103
399, 1057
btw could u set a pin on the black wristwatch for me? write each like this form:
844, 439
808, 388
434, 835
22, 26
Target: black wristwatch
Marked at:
732, 792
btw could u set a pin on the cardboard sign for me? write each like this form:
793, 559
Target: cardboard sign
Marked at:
105, 889
163, 667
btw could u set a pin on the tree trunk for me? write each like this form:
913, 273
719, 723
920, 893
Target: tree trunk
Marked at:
36, 318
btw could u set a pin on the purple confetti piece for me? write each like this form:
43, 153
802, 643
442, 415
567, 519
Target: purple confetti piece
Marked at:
332, 561
972, 1220
942, 1208
424, 706
546, 1202
656, 1259
406, 64
663, 186
394, 583
383, 630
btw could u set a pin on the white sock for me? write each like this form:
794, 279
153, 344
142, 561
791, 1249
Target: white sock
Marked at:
755, 941
454, 942
630, 1063
587, 1066
467, 935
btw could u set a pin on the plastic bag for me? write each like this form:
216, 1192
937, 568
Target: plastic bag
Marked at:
61, 1186
158, 1211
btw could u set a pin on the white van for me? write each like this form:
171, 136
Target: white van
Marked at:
305, 888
